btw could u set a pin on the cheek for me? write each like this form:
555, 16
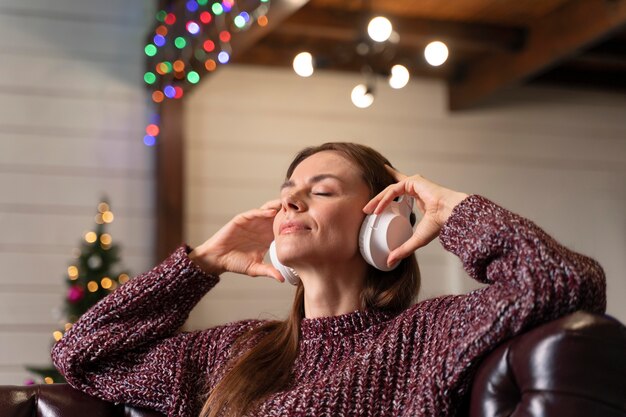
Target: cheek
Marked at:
277, 222
343, 225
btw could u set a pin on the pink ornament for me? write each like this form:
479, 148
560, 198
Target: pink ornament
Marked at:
29, 382
75, 293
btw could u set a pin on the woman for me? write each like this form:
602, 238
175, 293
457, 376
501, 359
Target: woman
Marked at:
353, 343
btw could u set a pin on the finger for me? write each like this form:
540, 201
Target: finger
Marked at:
425, 232
395, 173
373, 203
275, 204
265, 270
392, 192
255, 213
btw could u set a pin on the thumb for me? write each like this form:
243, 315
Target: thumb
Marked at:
425, 232
262, 269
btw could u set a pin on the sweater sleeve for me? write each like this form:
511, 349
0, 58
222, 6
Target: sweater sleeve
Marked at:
532, 279
126, 349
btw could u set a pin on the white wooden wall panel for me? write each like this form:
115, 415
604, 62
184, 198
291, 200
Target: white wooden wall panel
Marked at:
555, 156
72, 114
48, 272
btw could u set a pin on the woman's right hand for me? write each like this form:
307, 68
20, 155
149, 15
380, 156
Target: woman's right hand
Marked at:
240, 245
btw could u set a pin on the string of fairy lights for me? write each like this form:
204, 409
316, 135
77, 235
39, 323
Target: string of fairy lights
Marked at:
190, 40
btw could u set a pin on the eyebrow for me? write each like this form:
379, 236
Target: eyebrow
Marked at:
312, 180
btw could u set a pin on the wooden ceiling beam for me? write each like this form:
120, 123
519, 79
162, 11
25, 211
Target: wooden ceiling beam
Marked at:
340, 25
561, 34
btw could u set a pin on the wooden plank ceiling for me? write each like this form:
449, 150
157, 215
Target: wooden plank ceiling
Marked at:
493, 43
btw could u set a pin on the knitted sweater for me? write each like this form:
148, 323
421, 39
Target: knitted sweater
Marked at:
127, 347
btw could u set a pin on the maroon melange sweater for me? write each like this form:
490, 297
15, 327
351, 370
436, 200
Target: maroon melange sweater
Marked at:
127, 348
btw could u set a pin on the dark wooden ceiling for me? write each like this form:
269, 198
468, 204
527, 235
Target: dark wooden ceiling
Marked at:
493, 44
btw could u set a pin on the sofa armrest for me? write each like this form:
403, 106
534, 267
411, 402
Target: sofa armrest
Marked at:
52, 400
574, 366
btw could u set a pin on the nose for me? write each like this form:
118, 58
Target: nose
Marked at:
292, 202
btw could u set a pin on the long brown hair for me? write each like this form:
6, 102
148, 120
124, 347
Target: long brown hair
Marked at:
265, 368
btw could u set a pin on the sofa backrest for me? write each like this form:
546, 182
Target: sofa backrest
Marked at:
574, 366
61, 400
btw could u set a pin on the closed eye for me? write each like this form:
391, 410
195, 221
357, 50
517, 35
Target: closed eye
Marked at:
325, 194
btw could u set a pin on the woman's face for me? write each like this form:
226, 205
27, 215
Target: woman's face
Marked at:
321, 212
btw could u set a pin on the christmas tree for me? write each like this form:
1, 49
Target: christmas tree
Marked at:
90, 277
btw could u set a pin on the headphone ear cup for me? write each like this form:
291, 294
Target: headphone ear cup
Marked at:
288, 273
380, 234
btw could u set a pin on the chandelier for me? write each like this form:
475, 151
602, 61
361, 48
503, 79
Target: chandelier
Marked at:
375, 44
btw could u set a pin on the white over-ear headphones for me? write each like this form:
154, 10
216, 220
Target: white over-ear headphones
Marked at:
379, 235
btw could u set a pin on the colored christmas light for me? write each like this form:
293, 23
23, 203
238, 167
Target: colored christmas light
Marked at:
152, 130
149, 77
193, 77
208, 45
223, 57
240, 22
217, 9
205, 17
157, 96
159, 40
169, 91
177, 51
149, 140
170, 19
179, 65
193, 28
210, 65
150, 50
225, 36
192, 6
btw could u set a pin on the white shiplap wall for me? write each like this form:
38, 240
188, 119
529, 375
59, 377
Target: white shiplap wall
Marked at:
556, 156
72, 111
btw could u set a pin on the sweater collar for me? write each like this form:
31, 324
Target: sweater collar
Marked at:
343, 325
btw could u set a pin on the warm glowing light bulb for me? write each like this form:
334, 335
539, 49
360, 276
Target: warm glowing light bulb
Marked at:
92, 286
303, 64
72, 271
106, 283
57, 335
361, 96
102, 207
90, 237
399, 76
107, 216
436, 53
379, 29
106, 239
48, 380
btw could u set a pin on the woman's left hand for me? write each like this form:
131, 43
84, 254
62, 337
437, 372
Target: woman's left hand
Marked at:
433, 201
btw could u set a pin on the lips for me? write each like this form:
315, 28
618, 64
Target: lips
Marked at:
292, 226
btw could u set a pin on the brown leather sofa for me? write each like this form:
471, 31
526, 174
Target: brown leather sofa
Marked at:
571, 367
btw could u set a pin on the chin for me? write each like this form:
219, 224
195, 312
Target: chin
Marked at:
290, 253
